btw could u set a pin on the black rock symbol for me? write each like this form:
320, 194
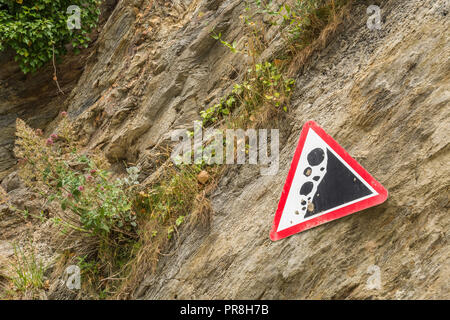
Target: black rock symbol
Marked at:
306, 188
316, 156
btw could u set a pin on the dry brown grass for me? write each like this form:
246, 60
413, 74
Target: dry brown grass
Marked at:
202, 212
327, 30
175, 199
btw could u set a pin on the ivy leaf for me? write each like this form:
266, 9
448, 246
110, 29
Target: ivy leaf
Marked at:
179, 221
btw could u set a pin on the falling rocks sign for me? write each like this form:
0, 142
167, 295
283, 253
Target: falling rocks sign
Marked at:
324, 183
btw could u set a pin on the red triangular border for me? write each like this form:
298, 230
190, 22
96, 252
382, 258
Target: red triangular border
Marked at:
339, 213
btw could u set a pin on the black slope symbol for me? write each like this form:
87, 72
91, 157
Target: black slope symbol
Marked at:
339, 186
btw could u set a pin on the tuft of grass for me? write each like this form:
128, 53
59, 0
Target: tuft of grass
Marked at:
305, 25
314, 28
202, 211
28, 277
164, 208
29, 272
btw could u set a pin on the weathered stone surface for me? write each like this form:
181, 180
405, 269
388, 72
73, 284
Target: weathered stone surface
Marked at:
153, 72
11, 182
383, 95
6, 252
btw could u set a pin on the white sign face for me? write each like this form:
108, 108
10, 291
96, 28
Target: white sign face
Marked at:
297, 201
323, 184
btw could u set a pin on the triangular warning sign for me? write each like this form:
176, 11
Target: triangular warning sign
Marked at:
324, 183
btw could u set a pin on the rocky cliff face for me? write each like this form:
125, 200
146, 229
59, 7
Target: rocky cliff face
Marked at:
382, 94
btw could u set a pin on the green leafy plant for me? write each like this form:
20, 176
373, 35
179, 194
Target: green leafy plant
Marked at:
98, 205
265, 86
231, 46
37, 29
218, 111
96, 209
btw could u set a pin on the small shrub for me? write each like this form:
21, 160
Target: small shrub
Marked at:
264, 89
80, 182
265, 86
218, 111
96, 220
